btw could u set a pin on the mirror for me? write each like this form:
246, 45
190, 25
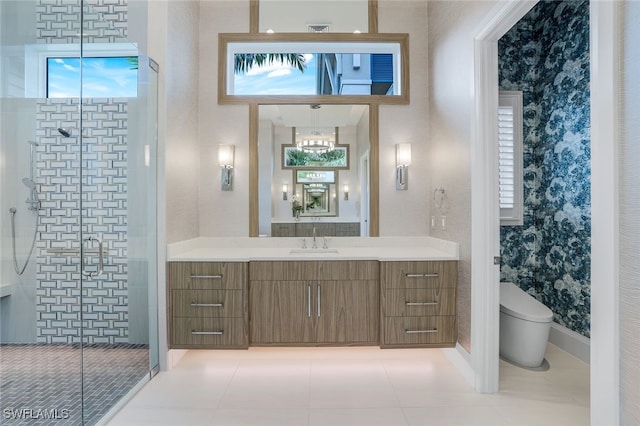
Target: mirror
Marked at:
345, 19
316, 200
313, 67
296, 187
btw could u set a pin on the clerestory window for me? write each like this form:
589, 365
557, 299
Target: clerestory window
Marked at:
102, 77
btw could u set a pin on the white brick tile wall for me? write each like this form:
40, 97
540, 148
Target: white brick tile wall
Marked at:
104, 214
104, 21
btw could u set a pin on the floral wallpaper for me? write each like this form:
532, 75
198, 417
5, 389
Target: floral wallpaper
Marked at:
546, 55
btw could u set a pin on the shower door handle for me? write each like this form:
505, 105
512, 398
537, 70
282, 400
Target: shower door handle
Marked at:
100, 270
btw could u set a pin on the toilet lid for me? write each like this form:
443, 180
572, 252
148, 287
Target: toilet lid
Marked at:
517, 303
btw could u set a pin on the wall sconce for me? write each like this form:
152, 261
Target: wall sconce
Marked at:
439, 198
285, 189
345, 189
225, 157
403, 161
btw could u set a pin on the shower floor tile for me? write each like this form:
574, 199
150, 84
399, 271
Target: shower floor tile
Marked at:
43, 384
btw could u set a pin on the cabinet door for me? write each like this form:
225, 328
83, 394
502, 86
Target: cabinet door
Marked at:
281, 312
347, 312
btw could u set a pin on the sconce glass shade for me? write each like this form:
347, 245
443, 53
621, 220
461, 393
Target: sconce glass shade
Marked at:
225, 155
403, 154
225, 158
345, 189
285, 189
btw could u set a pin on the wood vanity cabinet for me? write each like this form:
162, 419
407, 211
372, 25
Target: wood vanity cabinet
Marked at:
207, 305
418, 303
314, 303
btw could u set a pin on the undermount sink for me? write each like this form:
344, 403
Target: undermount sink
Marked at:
314, 251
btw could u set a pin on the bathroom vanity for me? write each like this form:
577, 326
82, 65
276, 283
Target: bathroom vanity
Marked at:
236, 293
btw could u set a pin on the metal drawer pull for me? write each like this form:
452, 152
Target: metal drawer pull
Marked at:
204, 277
421, 275
318, 300
207, 333
309, 301
421, 303
435, 330
206, 305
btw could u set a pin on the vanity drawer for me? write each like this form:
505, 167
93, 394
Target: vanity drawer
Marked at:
411, 331
419, 275
419, 302
314, 270
209, 333
207, 303
207, 275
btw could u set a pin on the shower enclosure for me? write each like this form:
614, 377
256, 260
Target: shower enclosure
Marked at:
78, 243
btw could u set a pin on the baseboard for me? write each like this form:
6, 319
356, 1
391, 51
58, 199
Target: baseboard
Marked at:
571, 342
174, 356
461, 359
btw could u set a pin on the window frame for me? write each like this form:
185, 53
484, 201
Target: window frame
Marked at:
36, 56
232, 43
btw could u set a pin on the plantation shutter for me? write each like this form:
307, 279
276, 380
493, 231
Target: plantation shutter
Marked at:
510, 157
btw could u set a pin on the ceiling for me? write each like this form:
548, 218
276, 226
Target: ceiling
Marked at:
304, 116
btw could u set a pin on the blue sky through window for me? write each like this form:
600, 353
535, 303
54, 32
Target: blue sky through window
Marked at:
277, 79
108, 77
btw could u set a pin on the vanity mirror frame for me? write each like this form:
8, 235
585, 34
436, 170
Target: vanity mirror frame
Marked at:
373, 103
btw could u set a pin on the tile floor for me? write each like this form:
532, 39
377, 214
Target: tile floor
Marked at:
354, 387
57, 377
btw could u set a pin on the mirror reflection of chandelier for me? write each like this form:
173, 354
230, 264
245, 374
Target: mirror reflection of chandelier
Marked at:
315, 142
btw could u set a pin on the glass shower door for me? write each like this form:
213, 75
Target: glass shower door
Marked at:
78, 313
117, 219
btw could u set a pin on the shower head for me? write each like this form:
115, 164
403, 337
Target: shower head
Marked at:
13, 210
64, 132
29, 183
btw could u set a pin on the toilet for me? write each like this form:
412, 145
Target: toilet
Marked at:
524, 326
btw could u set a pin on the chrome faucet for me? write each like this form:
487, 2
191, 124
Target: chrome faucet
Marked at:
315, 245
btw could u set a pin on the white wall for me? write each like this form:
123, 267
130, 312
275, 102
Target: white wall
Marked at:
280, 209
268, 191
222, 213
404, 213
347, 208
452, 28
629, 225
182, 119
17, 311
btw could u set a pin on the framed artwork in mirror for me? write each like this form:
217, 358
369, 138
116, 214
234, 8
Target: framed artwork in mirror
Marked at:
294, 158
315, 176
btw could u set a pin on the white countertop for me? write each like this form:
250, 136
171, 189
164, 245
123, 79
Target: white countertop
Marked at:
243, 249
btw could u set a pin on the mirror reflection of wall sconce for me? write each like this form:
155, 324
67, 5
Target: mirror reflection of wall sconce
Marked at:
403, 161
345, 189
285, 189
225, 157
438, 198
